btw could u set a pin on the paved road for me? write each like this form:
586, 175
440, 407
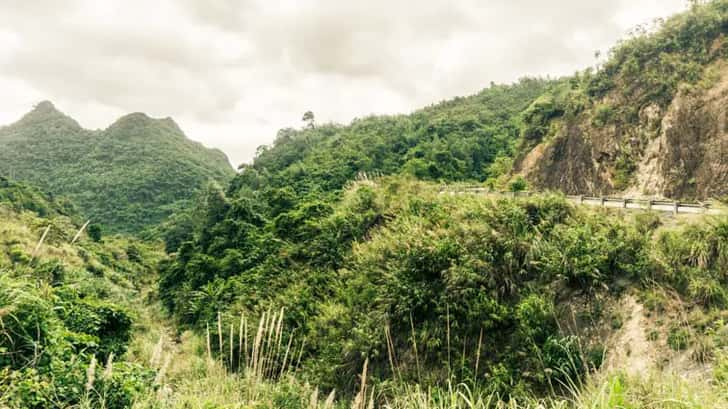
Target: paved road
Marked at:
669, 206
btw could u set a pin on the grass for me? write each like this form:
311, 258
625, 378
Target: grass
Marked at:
198, 376
217, 388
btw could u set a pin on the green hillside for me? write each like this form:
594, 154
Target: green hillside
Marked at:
648, 122
335, 272
458, 139
625, 126
517, 299
70, 310
127, 177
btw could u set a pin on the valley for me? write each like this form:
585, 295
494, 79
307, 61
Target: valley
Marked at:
552, 243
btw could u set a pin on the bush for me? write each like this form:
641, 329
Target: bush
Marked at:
94, 232
518, 185
28, 322
48, 339
18, 255
562, 359
678, 338
603, 114
693, 259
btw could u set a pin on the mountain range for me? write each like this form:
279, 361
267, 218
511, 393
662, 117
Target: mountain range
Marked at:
126, 177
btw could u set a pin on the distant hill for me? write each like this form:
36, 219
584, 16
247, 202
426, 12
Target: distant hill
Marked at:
466, 138
127, 177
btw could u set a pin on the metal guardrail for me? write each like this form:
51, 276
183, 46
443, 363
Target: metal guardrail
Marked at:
670, 206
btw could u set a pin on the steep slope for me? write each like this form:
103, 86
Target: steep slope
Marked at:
651, 121
70, 308
522, 293
126, 177
513, 297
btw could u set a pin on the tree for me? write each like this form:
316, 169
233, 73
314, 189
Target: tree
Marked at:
308, 117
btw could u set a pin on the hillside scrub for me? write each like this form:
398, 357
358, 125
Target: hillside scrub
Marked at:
452, 140
67, 310
334, 271
423, 284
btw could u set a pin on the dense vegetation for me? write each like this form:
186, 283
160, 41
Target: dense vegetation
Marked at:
474, 286
334, 261
127, 178
477, 138
395, 267
65, 307
454, 140
424, 288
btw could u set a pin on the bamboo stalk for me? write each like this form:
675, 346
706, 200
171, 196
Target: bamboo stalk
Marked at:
477, 356
80, 231
219, 332
40, 243
209, 350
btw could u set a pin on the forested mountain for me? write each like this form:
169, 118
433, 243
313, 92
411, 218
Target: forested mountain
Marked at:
334, 263
127, 177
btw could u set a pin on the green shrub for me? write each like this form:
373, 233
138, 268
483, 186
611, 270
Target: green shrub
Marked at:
48, 338
692, 259
108, 323
708, 291
537, 118
519, 184
562, 358
603, 114
592, 252
28, 323
94, 232
51, 271
536, 318
18, 255
678, 338
655, 300
720, 370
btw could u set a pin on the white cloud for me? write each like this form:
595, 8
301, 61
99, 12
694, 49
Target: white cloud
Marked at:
232, 72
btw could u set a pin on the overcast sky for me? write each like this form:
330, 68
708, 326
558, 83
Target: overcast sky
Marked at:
233, 72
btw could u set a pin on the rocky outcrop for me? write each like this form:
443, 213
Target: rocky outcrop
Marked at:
680, 151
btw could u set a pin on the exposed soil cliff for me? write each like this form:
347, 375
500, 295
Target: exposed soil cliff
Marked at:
680, 151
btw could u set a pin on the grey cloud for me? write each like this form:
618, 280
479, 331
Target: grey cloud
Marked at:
235, 70
397, 41
122, 66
